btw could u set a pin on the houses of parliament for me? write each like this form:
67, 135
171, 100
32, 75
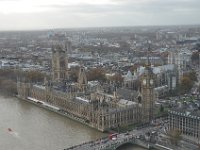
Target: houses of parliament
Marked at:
91, 104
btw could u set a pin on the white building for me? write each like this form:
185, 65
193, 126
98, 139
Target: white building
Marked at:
182, 59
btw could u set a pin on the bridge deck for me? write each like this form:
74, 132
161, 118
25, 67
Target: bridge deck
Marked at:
107, 144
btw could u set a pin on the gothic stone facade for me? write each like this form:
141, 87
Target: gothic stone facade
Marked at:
97, 110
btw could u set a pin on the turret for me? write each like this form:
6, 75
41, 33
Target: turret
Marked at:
82, 79
59, 64
23, 88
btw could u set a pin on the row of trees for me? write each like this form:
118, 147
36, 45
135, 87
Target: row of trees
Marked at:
8, 79
195, 58
7, 86
98, 74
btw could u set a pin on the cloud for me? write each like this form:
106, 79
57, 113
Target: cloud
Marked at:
133, 6
26, 14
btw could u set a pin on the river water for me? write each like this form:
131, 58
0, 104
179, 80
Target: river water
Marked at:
34, 128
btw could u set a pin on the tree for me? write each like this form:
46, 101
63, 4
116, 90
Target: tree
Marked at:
192, 75
175, 136
73, 74
195, 57
187, 81
133, 68
35, 76
8, 73
8, 78
186, 84
117, 78
161, 108
8, 86
96, 74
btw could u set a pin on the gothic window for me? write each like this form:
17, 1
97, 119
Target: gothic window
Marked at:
54, 62
126, 84
62, 62
61, 75
139, 99
56, 75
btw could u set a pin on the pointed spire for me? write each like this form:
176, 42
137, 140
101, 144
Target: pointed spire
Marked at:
82, 79
148, 52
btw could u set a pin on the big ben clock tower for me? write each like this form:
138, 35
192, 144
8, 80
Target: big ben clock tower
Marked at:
147, 92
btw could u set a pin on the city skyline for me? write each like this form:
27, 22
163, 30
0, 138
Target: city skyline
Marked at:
51, 14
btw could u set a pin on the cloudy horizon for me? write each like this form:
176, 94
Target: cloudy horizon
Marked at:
51, 14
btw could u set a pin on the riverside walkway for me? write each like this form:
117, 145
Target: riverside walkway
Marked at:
108, 144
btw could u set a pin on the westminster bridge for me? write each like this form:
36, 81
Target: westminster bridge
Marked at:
136, 137
145, 137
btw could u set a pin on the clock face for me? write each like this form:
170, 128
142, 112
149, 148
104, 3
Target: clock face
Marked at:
151, 81
144, 82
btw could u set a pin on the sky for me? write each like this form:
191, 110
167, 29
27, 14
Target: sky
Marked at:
52, 14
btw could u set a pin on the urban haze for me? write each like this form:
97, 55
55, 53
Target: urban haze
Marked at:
51, 14
110, 74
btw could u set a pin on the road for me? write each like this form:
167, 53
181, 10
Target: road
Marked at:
104, 143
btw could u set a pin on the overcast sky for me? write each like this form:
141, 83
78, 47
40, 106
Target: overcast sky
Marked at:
51, 14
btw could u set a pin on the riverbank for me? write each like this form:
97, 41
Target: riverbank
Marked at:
41, 129
60, 112
35, 128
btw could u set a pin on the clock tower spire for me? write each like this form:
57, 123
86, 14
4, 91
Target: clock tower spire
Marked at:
147, 92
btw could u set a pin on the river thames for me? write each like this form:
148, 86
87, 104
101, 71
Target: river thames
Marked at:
34, 128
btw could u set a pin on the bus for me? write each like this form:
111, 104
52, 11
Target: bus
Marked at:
113, 136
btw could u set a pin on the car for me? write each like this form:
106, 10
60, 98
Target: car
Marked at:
127, 133
114, 138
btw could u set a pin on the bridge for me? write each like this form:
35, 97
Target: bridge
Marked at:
132, 137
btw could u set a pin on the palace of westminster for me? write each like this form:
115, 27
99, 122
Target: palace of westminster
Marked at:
92, 103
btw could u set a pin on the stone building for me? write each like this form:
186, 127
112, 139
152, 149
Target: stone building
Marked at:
95, 108
182, 60
186, 121
131, 81
147, 95
98, 110
59, 64
165, 79
82, 79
